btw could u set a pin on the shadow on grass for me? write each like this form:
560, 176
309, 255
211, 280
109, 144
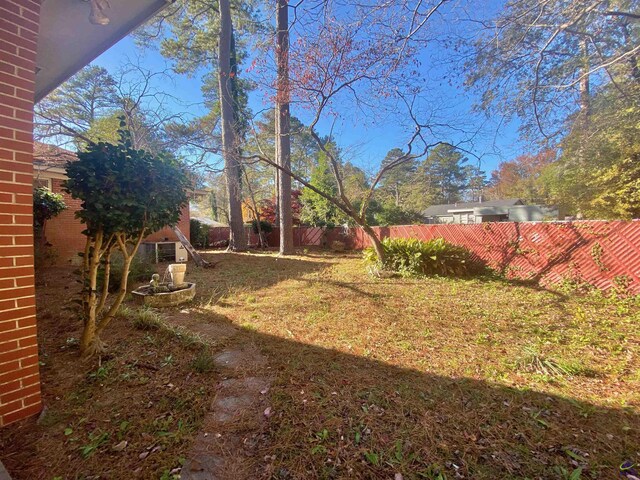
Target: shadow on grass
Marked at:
338, 415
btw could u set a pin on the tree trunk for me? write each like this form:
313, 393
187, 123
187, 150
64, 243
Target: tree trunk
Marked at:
88, 334
105, 281
585, 94
262, 243
122, 292
214, 206
278, 172
283, 127
90, 296
237, 240
375, 242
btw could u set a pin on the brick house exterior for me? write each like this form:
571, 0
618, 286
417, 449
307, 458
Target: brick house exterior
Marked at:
37, 53
64, 232
19, 374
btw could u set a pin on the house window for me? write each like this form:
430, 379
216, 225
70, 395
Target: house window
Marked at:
42, 183
466, 218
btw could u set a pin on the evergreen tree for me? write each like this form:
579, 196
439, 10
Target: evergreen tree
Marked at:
317, 210
73, 107
476, 183
442, 175
397, 182
208, 35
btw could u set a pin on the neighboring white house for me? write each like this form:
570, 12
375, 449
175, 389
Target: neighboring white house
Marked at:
508, 210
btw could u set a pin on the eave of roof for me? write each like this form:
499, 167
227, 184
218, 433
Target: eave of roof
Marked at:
449, 209
68, 41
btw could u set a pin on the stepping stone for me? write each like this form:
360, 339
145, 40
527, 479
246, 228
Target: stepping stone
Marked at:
4, 475
236, 396
238, 359
226, 409
203, 466
209, 458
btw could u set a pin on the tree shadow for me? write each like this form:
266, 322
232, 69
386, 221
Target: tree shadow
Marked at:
548, 247
339, 415
381, 418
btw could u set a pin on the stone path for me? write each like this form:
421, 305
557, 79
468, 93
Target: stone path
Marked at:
232, 428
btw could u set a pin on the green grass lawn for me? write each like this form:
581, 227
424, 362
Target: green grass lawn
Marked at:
431, 378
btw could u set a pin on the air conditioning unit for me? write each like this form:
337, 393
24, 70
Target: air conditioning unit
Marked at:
160, 252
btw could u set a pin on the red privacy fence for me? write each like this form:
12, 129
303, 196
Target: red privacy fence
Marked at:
604, 254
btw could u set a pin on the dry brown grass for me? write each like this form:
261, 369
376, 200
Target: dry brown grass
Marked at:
145, 393
432, 377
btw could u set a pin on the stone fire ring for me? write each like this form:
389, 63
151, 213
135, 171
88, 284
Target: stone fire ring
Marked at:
165, 299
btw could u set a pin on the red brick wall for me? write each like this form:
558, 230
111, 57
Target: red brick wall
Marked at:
19, 375
168, 234
64, 232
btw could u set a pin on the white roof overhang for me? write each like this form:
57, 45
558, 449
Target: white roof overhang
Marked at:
68, 40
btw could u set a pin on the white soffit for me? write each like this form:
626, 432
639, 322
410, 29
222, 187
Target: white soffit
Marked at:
68, 41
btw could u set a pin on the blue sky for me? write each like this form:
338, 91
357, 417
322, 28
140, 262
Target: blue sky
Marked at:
364, 143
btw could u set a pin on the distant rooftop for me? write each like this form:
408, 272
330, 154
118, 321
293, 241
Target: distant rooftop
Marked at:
436, 210
52, 156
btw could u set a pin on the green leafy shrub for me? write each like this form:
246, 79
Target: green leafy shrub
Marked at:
46, 205
199, 233
411, 257
386, 215
126, 194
